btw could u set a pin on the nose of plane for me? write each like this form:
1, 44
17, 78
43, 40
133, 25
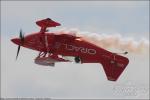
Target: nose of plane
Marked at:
16, 41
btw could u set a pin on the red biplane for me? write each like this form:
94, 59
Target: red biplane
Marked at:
54, 48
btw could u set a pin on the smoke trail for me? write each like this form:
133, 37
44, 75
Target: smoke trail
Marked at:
115, 41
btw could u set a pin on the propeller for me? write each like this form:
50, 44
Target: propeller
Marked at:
21, 36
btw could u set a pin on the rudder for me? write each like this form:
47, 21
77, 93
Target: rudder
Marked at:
114, 67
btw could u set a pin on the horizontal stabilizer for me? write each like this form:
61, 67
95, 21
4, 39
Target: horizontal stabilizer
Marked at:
47, 23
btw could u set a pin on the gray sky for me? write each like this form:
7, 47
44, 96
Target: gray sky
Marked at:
23, 78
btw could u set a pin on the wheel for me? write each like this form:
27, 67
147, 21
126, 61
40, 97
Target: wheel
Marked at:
77, 59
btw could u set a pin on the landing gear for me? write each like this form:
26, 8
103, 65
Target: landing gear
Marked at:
42, 54
77, 59
44, 59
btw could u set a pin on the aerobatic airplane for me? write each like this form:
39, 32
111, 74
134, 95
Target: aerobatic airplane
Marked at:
63, 47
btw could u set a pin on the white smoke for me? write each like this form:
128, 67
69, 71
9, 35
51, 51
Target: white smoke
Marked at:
114, 41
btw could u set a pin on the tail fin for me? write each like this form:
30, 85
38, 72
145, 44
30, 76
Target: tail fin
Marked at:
114, 67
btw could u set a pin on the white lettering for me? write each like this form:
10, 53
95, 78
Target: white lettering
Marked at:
92, 51
78, 49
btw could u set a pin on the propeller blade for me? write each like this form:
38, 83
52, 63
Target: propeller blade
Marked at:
18, 52
21, 36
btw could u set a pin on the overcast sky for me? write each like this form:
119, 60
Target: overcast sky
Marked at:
23, 78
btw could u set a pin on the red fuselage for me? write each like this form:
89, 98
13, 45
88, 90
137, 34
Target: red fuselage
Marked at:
66, 45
